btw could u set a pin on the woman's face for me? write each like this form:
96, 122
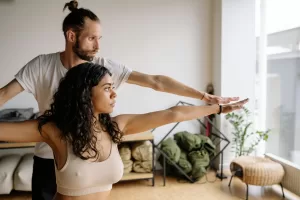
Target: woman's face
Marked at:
104, 96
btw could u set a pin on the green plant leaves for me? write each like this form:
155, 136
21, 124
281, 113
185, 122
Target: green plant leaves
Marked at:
243, 142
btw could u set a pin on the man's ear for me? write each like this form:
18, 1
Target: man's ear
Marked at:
71, 36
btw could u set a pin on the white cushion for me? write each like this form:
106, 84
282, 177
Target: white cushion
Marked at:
8, 164
23, 173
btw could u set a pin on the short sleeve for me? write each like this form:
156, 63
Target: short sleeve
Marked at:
27, 76
120, 72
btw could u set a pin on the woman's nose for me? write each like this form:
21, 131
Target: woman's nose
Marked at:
113, 94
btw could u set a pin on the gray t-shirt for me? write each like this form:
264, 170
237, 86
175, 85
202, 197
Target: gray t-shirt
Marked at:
41, 77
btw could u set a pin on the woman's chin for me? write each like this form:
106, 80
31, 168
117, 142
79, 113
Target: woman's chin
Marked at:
110, 111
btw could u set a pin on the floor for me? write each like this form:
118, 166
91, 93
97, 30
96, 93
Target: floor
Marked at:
208, 188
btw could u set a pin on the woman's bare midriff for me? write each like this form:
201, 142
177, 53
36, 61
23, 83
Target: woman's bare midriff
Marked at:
95, 196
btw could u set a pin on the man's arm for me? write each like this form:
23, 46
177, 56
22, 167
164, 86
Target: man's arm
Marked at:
9, 91
166, 84
136, 123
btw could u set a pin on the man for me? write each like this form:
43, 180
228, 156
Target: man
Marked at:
41, 76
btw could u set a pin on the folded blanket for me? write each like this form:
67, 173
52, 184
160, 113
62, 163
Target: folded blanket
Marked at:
171, 149
207, 144
142, 151
198, 172
187, 141
125, 152
128, 165
200, 156
184, 163
142, 166
200, 160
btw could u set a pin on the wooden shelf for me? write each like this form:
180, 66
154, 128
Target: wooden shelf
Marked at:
135, 175
138, 137
5, 145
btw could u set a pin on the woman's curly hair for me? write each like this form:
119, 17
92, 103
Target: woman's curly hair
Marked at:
72, 110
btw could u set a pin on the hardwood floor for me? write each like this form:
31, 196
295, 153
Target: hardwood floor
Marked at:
175, 190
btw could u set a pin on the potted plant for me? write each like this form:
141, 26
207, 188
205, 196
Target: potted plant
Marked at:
244, 140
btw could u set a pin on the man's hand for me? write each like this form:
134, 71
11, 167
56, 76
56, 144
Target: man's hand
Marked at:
233, 106
212, 99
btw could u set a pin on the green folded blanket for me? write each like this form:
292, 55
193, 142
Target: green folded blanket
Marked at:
187, 141
200, 156
184, 163
198, 172
200, 160
207, 144
171, 149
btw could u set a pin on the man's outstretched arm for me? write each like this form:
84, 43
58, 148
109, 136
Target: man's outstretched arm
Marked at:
9, 91
166, 84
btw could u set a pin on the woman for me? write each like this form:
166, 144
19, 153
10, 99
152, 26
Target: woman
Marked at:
84, 137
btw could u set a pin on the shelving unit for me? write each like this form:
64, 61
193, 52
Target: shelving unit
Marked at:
145, 136
9, 145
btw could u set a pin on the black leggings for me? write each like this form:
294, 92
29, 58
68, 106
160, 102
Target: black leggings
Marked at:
43, 179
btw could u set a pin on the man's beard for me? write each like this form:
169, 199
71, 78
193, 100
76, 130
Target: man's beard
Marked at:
80, 53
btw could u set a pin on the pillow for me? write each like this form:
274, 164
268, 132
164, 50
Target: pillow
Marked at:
8, 164
23, 173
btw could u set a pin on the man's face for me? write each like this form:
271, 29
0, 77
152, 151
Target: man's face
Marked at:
87, 42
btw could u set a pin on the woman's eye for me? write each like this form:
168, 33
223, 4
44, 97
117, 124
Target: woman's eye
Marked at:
107, 89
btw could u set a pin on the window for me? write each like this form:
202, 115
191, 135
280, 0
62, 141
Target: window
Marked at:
278, 39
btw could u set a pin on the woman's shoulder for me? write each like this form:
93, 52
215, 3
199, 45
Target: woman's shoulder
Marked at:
51, 131
119, 119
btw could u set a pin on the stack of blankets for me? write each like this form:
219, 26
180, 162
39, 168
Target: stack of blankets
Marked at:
136, 156
191, 152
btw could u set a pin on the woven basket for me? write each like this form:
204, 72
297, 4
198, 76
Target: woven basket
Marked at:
257, 170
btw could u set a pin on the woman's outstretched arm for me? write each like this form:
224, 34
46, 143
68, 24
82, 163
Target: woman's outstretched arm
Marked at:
25, 131
136, 123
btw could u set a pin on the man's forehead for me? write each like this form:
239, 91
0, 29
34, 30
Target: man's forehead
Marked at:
92, 27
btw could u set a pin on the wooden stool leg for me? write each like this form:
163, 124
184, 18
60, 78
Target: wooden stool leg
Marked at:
247, 192
282, 190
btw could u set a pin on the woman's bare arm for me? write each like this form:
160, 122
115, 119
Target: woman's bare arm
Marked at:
26, 131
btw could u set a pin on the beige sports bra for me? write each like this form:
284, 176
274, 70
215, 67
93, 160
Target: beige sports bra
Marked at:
81, 177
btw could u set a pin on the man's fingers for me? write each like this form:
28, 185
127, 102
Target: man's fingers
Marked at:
241, 103
234, 98
228, 99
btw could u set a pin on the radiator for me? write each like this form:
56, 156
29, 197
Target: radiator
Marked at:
291, 179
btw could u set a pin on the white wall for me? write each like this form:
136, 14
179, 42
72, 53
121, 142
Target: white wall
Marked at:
234, 56
170, 37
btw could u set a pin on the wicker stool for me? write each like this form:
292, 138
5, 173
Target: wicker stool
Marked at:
257, 171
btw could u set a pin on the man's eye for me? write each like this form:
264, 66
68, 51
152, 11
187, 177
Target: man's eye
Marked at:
107, 89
